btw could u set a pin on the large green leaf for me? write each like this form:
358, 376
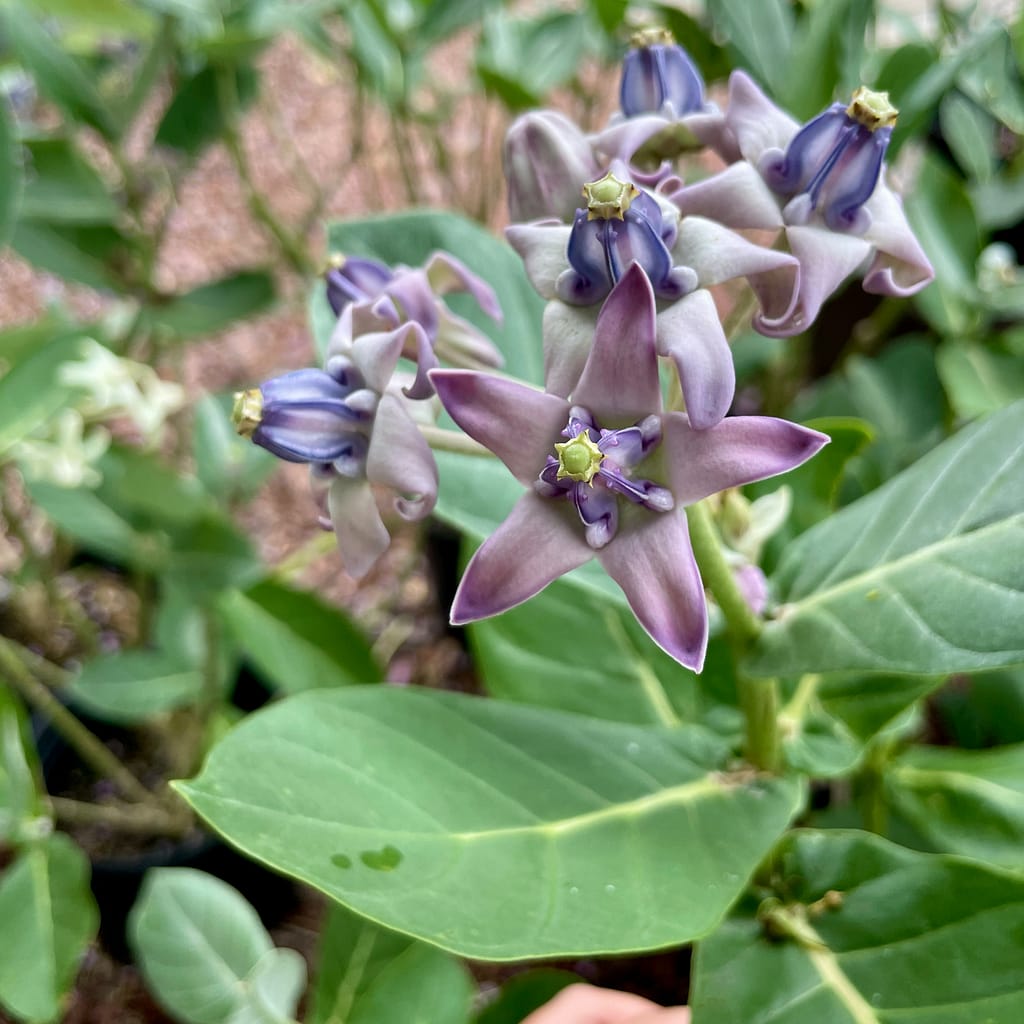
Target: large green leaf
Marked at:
296, 640
490, 829
924, 576
64, 186
205, 952
411, 237
20, 808
131, 686
372, 976
909, 938
212, 307
965, 801
11, 175
47, 917
759, 33
979, 379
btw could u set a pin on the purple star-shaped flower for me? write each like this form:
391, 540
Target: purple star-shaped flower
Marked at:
823, 185
609, 476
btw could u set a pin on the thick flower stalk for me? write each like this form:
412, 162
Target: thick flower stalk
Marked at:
823, 186
608, 475
577, 267
387, 299
352, 428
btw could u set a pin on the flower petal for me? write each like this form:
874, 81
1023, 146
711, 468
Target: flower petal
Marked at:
619, 383
447, 274
739, 450
518, 423
900, 266
624, 137
541, 540
461, 343
544, 248
568, 333
376, 354
358, 527
736, 197
826, 258
756, 122
654, 565
690, 333
400, 457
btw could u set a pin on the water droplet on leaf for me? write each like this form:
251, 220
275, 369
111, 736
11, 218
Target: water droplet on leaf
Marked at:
609, 888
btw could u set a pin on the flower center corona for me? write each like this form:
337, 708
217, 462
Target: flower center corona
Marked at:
579, 458
608, 198
872, 109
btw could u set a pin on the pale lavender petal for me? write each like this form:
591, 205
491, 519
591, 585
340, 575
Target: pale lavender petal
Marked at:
447, 274
753, 586
900, 266
518, 423
376, 354
619, 383
711, 128
651, 559
719, 254
826, 258
544, 248
400, 458
690, 333
736, 197
425, 360
541, 539
756, 122
623, 138
459, 342
568, 333
358, 527
410, 291
739, 450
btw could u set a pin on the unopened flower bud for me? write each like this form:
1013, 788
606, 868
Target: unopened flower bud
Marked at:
352, 279
658, 77
547, 159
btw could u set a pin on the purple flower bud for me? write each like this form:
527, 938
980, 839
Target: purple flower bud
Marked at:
832, 165
658, 77
351, 279
620, 226
309, 416
546, 159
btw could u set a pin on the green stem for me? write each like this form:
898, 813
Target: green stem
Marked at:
738, 318
759, 698
449, 441
291, 248
85, 744
135, 819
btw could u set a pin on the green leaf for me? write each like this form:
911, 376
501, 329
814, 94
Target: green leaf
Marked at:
47, 918
524, 993
924, 576
372, 976
63, 186
985, 709
215, 306
297, 641
59, 76
758, 33
85, 254
198, 942
20, 807
915, 939
227, 465
978, 379
140, 487
211, 556
194, 118
411, 237
971, 135
868, 704
131, 686
569, 836
993, 81
969, 802
11, 175
272, 989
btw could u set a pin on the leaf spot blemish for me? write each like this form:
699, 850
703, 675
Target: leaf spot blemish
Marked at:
385, 859
339, 860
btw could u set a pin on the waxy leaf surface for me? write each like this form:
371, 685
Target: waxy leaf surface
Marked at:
495, 831
924, 576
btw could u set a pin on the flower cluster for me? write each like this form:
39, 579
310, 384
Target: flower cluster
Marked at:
625, 256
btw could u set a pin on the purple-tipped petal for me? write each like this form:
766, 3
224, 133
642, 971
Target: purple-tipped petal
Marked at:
737, 451
568, 332
736, 197
756, 122
543, 248
447, 274
826, 258
900, 266
690, 333
411, 293
652, 561
358, 527
400, 458
539, 541
518, 423
619, 383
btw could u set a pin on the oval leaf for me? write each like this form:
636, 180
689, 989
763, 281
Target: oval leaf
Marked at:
492, 830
